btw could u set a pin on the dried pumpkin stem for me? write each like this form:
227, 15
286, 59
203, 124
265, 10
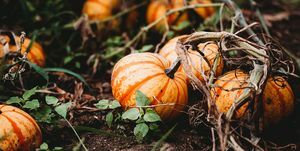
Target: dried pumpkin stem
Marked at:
173, 69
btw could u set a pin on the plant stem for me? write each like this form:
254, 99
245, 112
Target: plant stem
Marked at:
76, 135
173, 69
148, 27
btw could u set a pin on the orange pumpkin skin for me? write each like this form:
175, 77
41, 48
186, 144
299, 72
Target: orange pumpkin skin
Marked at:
278, 100
18, 130
277, 97
36, 54
224, 99
197, 62
100, 9
204, 12
158, 8
146, 72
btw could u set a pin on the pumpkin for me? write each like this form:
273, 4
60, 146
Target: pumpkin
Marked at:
277, 96
101, 10
146, 72
158, 8
196, 61
18, 130
204, 12
36, 54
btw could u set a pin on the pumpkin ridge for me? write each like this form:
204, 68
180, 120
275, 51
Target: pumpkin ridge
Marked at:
115, 73
161, 93
136, 86
281, 97
17, 130
157, 58
223, 85
177, 99
32, 122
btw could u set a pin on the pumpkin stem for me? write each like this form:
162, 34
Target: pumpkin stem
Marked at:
173, 69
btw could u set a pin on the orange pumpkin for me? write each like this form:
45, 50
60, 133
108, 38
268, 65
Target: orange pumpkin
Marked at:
204, 12
146, 72
36, 54
278, 100
196, 62
99, 9
277, 96
158, 8
18, 130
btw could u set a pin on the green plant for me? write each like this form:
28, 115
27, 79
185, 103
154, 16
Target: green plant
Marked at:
107, 104
145, 117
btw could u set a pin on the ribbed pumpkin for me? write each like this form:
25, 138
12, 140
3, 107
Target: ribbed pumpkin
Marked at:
146, 72
18, 130
204, 12
197, 62
278, 100
158, 8
101, 9
229, 88
36, 54
277, 96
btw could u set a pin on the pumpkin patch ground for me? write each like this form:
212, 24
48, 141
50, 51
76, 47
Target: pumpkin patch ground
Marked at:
149, 75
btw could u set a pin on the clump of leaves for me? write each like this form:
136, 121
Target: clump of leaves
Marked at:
145, 117
44, 112
111, 105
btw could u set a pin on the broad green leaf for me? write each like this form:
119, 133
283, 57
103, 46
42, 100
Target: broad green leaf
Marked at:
51, 100
62, 109
27, 94
66, 71
145, 48
151, 116
141, 99
44, 114
131, 114
114, 104
140, 131
109, 119
102, 104
32, 105
14, 100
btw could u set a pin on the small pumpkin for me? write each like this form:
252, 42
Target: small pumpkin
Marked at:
36, 54
204, 12
146, 72
277, 96
101, 9
197, 62
18, 130
158, 8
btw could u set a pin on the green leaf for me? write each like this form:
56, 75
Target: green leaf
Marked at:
102, 104
27, 94
51, 100
151, 116
141, 99
109, 119
131, 114
140, 131
181, 26
154, 127
68, 72
32, 105
58, 149
44, 146
114, 104
39, 70
145, 48
44, 114
62, 109
14, 100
